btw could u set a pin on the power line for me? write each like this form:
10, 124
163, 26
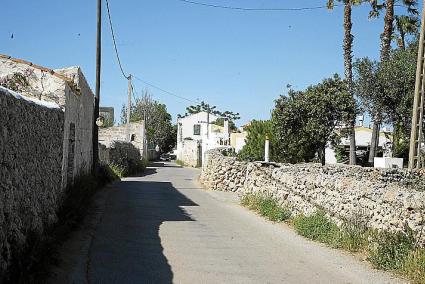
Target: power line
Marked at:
164, 91
114, 41
253, 9
137, 78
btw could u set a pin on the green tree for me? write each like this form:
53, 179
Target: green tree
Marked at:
159, 128
387, 88
348, 62
203, 106
386, 37
220, 122
304, 122
255, 141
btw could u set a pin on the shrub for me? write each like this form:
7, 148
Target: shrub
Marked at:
267, 206
319, 228
117, 169
389, 251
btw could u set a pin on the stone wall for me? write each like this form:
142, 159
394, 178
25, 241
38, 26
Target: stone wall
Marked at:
69, 89
384, 199
108, 135
31, 146
120, 153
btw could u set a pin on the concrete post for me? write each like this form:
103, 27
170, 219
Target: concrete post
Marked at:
266, 150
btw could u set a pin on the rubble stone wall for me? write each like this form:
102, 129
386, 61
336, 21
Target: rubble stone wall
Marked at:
31, 148
384, 199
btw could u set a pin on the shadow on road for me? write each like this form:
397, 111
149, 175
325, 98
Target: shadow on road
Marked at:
127, 247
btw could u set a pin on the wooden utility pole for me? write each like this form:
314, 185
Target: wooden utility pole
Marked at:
97, 91
416, 138
129, 108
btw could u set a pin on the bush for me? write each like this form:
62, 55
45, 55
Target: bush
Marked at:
389, 251
132, 167
267, 206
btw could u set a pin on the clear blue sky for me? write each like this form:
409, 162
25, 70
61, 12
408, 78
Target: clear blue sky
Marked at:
239, 61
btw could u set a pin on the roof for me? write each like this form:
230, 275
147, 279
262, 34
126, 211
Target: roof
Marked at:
212, 116
67, 80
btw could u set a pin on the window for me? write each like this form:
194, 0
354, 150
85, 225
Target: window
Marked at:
197, 129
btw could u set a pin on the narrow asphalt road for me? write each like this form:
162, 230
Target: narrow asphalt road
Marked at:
164, 228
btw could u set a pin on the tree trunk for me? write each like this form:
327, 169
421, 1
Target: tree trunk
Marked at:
403, 40
348, 66
322, 155
375, 141
388, 30
385, 55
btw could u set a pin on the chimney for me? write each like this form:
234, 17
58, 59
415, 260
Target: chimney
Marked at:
226, 127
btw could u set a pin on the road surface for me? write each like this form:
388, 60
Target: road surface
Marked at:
164, 228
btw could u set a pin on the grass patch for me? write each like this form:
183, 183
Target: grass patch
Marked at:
414, 266
389, 251
32, 264
266, 206
117, 169
131, 168
396, 252
318, 227
181, 163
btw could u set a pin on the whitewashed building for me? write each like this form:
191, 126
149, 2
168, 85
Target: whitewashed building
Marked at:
196, 134
363, 138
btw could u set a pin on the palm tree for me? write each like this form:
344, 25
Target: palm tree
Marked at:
386, 38
405, 25
348, 62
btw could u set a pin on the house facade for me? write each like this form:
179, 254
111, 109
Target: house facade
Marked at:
196, 134
363, 138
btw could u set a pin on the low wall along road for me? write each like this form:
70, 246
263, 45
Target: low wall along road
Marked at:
386, 199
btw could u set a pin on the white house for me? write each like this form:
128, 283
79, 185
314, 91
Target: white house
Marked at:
196, 134
363, 138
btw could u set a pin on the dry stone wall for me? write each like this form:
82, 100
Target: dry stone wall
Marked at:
384, 199
120, 153
31, 147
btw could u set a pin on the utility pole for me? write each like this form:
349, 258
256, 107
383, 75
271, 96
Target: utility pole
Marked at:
97, 91
416, 138
129, 108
